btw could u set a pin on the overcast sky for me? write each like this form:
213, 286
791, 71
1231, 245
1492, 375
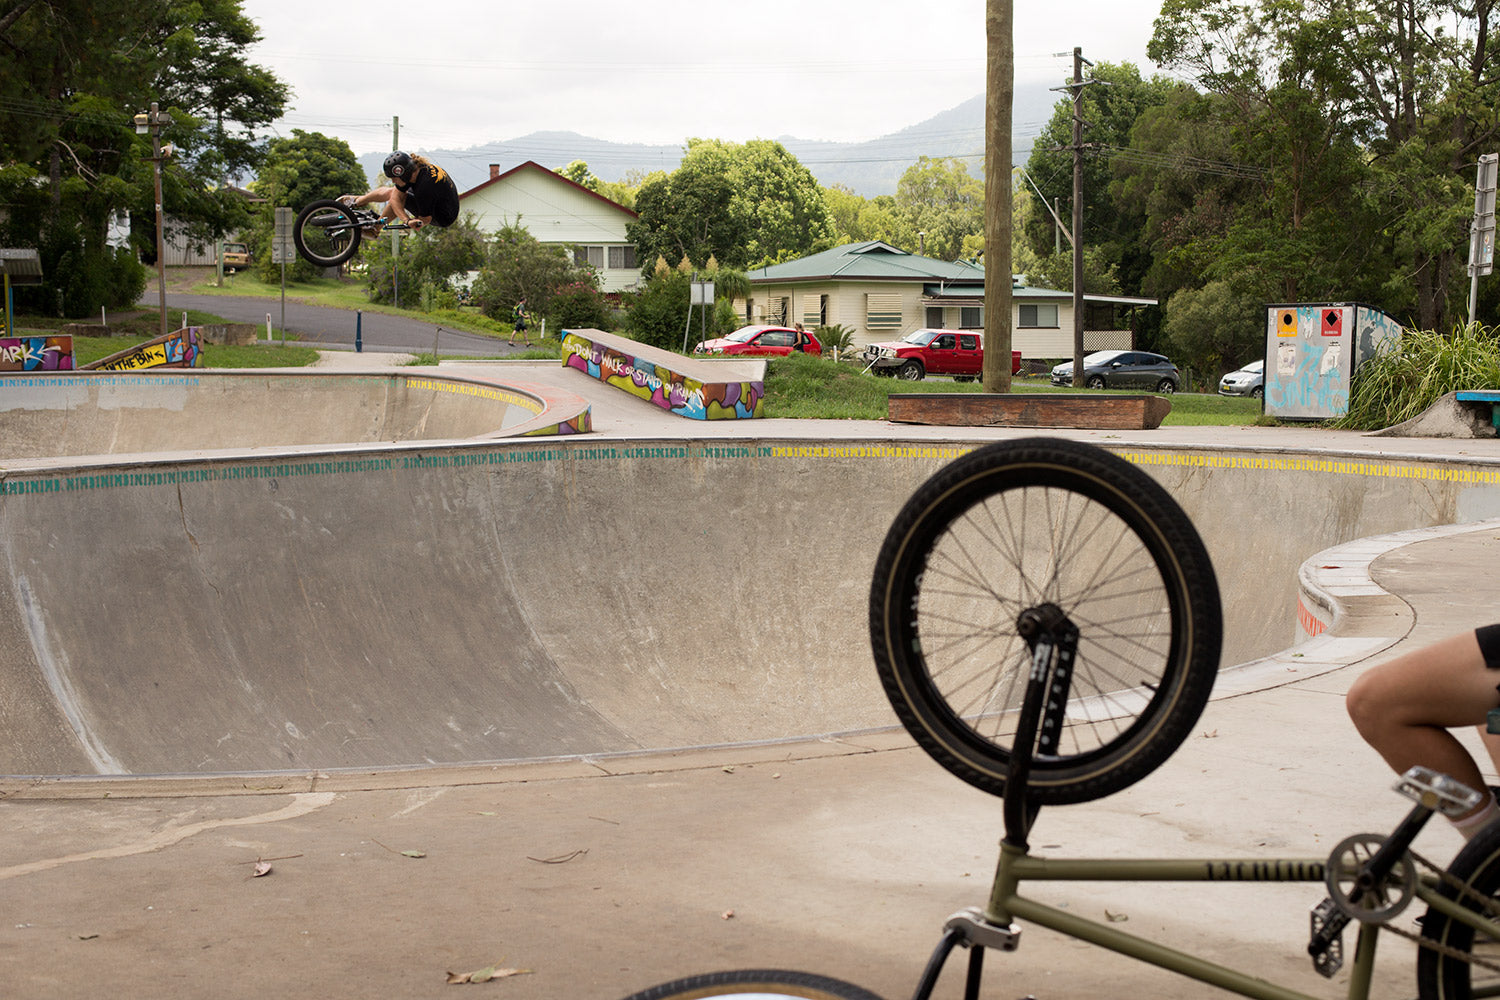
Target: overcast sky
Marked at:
460, 73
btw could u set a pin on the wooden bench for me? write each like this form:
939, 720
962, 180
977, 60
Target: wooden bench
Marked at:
1052, 409
1482, 396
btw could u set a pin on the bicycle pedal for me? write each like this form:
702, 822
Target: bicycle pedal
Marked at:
1327, 944
1437, 791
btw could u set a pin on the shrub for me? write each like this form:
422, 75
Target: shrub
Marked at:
1400, 384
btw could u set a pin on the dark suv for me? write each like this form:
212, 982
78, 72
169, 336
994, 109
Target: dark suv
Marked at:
1123, 370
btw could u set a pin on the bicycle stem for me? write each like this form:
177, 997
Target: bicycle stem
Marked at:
1054, 646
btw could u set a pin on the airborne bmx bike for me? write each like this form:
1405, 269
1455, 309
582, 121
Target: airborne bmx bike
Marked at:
1046, 623
328, 232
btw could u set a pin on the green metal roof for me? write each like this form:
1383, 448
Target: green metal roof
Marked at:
876, 260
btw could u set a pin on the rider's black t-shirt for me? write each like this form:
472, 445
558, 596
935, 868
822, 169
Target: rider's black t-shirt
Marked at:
432, 192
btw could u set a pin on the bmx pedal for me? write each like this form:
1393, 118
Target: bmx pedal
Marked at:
976, 930
1437, 791
1327, 945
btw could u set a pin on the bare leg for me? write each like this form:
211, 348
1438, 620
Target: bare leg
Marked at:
1404, 708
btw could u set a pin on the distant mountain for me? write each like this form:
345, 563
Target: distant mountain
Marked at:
868, 168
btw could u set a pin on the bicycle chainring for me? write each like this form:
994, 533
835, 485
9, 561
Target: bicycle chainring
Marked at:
1379, 902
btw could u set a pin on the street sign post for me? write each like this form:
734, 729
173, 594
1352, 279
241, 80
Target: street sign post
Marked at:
1482, 234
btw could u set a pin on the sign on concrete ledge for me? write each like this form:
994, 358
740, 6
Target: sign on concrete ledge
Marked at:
688, 387
179, 349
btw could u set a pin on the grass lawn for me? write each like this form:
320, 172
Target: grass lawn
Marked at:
336, 294
805, 387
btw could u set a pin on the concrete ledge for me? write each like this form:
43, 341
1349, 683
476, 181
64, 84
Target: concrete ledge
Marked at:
85, 330
234, 334
689, 387
1094, 411
1449, 417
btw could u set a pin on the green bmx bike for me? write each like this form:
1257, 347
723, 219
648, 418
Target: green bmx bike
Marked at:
1046, 624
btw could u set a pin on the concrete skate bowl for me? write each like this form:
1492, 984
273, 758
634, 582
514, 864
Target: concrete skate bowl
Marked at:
111, 413
421, 605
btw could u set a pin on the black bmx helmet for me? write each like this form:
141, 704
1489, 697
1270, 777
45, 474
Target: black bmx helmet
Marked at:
398, 166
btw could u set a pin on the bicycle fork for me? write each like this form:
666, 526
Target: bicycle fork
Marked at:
1053, 639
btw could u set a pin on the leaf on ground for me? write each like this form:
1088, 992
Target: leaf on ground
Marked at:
414, 854
485, 975
261, 868
1116, 918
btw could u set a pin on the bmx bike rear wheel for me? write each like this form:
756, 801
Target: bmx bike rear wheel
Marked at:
1452, 974
756, 984
1021, 524
326, 233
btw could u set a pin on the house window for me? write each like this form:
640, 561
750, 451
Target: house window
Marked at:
622, 258
592, 256
935, 317
777, 309
815, 311
1038, 315
972, 318
883, 310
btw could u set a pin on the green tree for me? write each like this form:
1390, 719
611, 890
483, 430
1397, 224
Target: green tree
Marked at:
1216, 328
939, 202
518, 266
1366, 122
1110, 106
744, 205
76, 71
657, 312
300, 169
857, 219
429, 260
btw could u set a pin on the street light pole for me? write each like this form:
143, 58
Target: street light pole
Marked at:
154, 121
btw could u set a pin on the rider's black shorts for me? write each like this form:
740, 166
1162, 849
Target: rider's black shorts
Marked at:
1489, 645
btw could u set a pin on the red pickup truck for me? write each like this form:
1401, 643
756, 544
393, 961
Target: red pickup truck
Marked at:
959, 353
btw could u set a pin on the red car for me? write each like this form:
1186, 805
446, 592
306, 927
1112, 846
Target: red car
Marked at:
959, 353
762, 340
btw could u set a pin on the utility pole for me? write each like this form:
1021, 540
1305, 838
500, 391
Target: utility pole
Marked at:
1077, 88
1000, 92
153, 122
395, 239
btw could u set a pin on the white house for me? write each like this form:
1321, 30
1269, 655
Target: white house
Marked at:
558, 211
881, 292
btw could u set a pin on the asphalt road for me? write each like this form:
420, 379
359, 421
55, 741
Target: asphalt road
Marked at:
326, 328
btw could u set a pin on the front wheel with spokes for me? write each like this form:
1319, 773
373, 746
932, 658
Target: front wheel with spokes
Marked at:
1020, 526
327, 233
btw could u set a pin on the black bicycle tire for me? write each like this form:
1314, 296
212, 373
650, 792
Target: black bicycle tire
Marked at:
319, 259
1476, 867
783, 983
1166, 537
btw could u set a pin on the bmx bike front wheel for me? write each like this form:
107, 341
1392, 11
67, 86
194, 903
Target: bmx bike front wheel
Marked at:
326, 233
1035, 522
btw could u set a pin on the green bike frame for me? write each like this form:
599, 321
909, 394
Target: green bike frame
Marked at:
1006, 905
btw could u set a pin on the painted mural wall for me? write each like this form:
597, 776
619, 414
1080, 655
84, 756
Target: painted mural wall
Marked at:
659, 385
36, 354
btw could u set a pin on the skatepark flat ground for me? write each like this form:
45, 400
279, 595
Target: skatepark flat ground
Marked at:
841, 853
